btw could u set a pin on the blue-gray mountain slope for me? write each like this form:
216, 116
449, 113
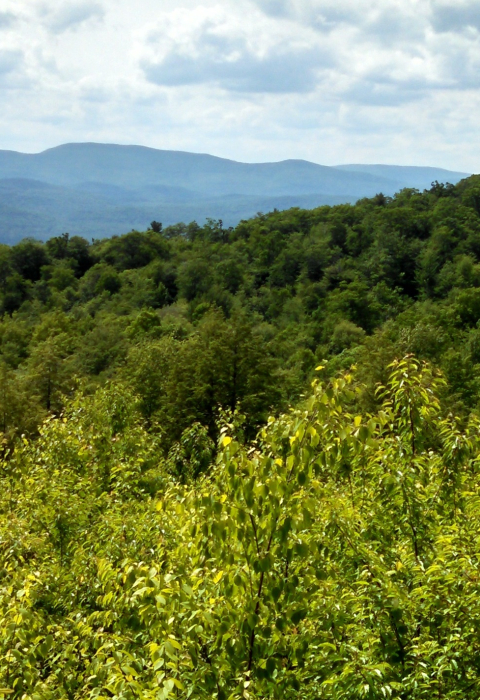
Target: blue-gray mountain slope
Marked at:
98, 190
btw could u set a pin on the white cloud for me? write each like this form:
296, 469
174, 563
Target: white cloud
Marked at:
7, 19
381, 51
238, 53
9, 61
448, 17
324, 14
68, 15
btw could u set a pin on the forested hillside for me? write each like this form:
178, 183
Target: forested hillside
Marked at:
193, 318
243, 463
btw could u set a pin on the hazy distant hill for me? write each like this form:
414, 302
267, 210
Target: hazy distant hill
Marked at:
98, 190
415, 176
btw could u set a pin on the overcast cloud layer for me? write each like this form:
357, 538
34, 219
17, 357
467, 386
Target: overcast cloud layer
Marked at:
334, 81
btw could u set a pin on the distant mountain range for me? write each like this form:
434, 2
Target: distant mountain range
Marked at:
97, 190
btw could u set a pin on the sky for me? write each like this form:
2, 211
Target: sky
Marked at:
331, 81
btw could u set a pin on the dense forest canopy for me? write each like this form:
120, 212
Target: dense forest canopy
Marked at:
193, 318
243, 463
336, 557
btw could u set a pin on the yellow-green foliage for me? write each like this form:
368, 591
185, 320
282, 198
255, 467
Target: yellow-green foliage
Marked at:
336, 558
